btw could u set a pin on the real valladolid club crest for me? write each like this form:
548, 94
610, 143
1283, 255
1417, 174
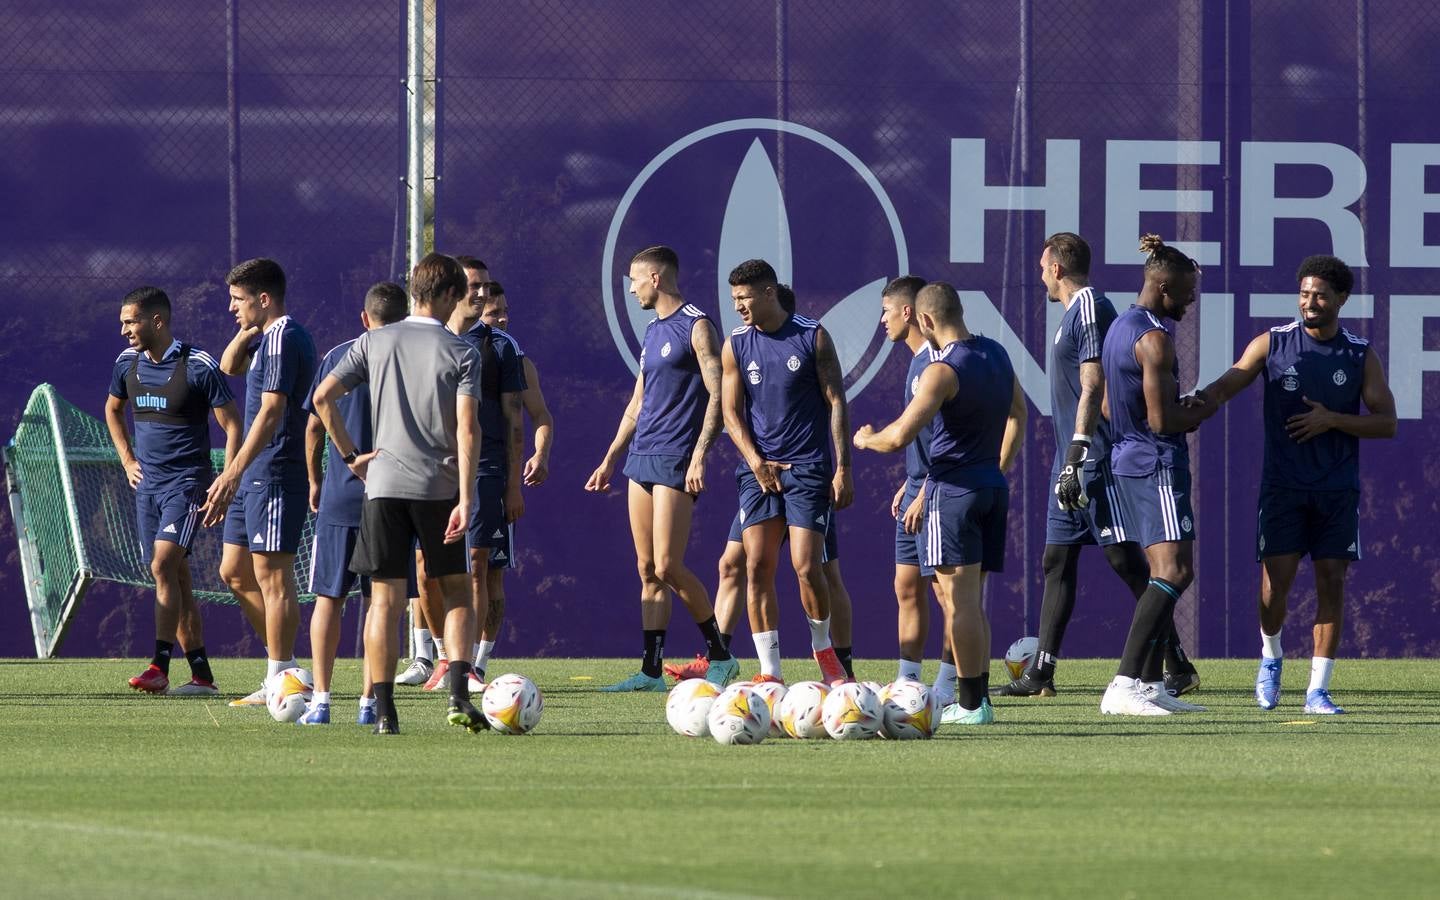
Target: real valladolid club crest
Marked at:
757, 221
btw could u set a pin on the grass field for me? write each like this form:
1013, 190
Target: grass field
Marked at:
110, 793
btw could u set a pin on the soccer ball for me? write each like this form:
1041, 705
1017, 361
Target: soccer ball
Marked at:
739, 716
287, 692
909, 711
773, 693
800, 710
851, 713
512, 704
877, 689
1020, 655
688, 706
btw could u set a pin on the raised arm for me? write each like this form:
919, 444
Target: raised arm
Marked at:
1163, 409
599, 480
937, 384
1015, 426
236, 355
1239, 376
832, 385
1380, 422
537, 467
120, 437
706, 344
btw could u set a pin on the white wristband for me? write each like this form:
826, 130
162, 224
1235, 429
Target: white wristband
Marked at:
1077, 436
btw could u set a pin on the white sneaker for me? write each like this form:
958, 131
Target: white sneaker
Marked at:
1126, 700
254, 698
418, 673
1155, 692
477, 687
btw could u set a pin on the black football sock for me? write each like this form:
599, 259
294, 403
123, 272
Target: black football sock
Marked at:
725, 639
161, 659
985, 685
1151, 612
654, 657
1152, 669
385, 700
716, 649
972, 691
199, 665
459, 680
844, 655
1061, 563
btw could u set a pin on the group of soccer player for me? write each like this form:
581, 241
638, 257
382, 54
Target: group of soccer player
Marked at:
423, 414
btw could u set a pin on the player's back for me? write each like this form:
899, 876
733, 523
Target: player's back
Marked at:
917, 452
970, 426
1080, 337
1136, 450
672, 407
784, 405
1331, 373
343, 492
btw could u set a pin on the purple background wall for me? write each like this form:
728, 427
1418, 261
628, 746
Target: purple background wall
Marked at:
551, 115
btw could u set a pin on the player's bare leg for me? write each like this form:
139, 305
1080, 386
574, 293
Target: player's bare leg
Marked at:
494, 619
325, 639
672, 511
237, 570
761, 544
275, 573
807, 549
431, 604
960, 590
729, 605
1329, 618
480, 595
654, 597
382, 646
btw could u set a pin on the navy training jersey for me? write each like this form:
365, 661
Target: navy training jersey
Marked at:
342, 494
282, 361
1080, 339
785, 408
673, 397
1135, 449
970, 427
171, 411
1329, 372
502, 371
917, 452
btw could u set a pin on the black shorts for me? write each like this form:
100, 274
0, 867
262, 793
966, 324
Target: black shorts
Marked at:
389, 531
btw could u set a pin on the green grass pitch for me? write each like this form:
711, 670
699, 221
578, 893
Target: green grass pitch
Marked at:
109, 793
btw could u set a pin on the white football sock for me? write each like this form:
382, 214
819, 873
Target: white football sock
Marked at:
1270, 645
1320, 669
276, 666
1124, 683
367, 702
945, 681
767, 651
322, 697
475, 650
424, 646
439, 647
482, 656
908, 670
819, 634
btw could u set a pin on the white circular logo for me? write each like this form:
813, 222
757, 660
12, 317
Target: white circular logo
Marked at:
1185, 525
914, 385
752, 372
759, 220
1338, 377
793, 363
1290, 383
665, 350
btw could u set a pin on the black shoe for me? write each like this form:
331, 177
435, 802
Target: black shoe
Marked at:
1028, 684
1177, 683
387, 725
464, 714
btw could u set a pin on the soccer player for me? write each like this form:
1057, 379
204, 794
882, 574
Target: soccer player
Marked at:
263, 493
669, 426
1316, 376
1082, 509
170, 388
336, 498
420, 481
970, 392
1151, 462
784, 406
496, 314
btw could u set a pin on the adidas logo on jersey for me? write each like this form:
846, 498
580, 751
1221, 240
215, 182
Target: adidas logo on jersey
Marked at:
499, 555
754, 372
1352, 549
820, 520
169, 529
498, 534
1105, 532
1290, 371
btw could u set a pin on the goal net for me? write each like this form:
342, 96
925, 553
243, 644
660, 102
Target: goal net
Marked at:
74, 515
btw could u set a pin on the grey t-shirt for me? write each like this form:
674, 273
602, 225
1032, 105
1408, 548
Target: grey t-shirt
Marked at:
415, 369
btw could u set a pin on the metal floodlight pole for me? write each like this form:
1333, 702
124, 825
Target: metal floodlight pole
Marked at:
416, 127
232, 103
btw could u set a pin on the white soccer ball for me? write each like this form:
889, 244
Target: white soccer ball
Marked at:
909, 711
876, 688
287, 693
1020, 655
800, 710
739, 716
512, 704
687, 707
773, 693
851, 713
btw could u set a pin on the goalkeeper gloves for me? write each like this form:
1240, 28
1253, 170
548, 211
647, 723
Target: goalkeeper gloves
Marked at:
1069, 489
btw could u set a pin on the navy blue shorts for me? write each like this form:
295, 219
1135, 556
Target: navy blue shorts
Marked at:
648, 471
907, 546
330, 552
832, 538
1102, 522
1157, 506
803, 501
1324, 524
170, 515
964, 526
488, 528
267, 518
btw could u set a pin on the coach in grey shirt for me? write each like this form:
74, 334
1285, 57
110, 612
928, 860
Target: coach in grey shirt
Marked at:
419, 481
